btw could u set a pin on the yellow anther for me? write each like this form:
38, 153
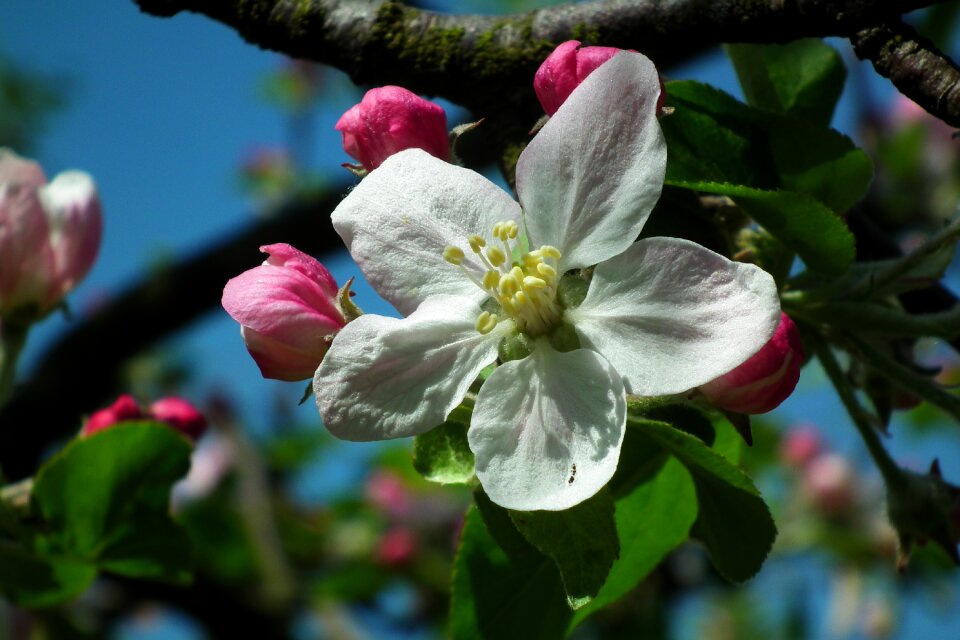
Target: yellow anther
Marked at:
550, 252
491, 279
532, 282
517, 274
548, 272
486, 321
477, 243
495, 256
510, 229
497, 230
508, 286
453, 255
521, 299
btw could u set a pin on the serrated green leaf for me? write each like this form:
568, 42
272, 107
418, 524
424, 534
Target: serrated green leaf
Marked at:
443, 454
803, 78
35, 582
105, 499
581, 540
733, 521
798, 220
497, 592
652, 520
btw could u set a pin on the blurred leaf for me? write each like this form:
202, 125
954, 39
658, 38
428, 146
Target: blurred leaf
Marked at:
652, 520
502, 586
105, 499
681, 414
733, 521
442, 454
803, 78
218, 537
31, 581
582, 540
26, 102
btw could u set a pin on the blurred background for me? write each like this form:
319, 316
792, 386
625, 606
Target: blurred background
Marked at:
193, 135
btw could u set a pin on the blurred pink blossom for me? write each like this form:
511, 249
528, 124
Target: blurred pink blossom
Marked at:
801, 445
176, 412
49, 234
830, 483
396, 546
385, 490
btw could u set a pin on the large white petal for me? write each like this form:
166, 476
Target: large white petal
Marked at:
590, 178
671, 315
399, 219
547, 430
388, 378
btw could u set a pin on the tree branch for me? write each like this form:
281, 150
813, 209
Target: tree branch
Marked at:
914, 65
83, 368
470, 58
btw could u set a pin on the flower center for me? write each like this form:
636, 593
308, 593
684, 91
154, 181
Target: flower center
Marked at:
525, 287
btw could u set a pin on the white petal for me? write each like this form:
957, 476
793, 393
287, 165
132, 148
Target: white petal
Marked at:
398, 220
671, 315
590, 178
388, 378
547, 430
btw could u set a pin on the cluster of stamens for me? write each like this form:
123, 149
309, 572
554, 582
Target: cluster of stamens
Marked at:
524, 284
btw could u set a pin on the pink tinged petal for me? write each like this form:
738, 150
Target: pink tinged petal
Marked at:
398, 220
17, 170
765, 379
181, 415
592, 175
547, 430
27, 265
671, 315
284, 255
124, 408
389, 378
565, 69
279, 361
391, 119
76, 226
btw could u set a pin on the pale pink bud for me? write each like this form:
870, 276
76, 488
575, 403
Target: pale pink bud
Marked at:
49, 234
287, 311
800, 446
181, 415
124, 408
565, 69
829, 481
391, 119
386, 491
766, 379
396, 546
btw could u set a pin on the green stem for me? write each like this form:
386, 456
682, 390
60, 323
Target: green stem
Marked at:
12, 338
890, 470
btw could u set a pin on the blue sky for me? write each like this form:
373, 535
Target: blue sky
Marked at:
161, 112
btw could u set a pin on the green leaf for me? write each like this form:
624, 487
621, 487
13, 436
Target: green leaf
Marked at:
803, 78
820, 162
798, 220
733, 521
582, 540
501, 584
652, 520
105, 499
31, 581
442, 454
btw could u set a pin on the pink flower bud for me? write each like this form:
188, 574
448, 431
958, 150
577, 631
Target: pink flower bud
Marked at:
176, 412
49, 234
766, 379
397, 546
287, 311
386, 491
391, 119
830, 483
565, 69
800, 446
124, 408
181, 415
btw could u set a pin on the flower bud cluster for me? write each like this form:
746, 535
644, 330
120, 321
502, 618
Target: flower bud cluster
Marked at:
176, 412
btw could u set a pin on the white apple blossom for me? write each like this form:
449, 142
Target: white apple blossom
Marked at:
451, 251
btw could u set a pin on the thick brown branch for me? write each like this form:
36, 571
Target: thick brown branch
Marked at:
915, 66
83, 367
471, 59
